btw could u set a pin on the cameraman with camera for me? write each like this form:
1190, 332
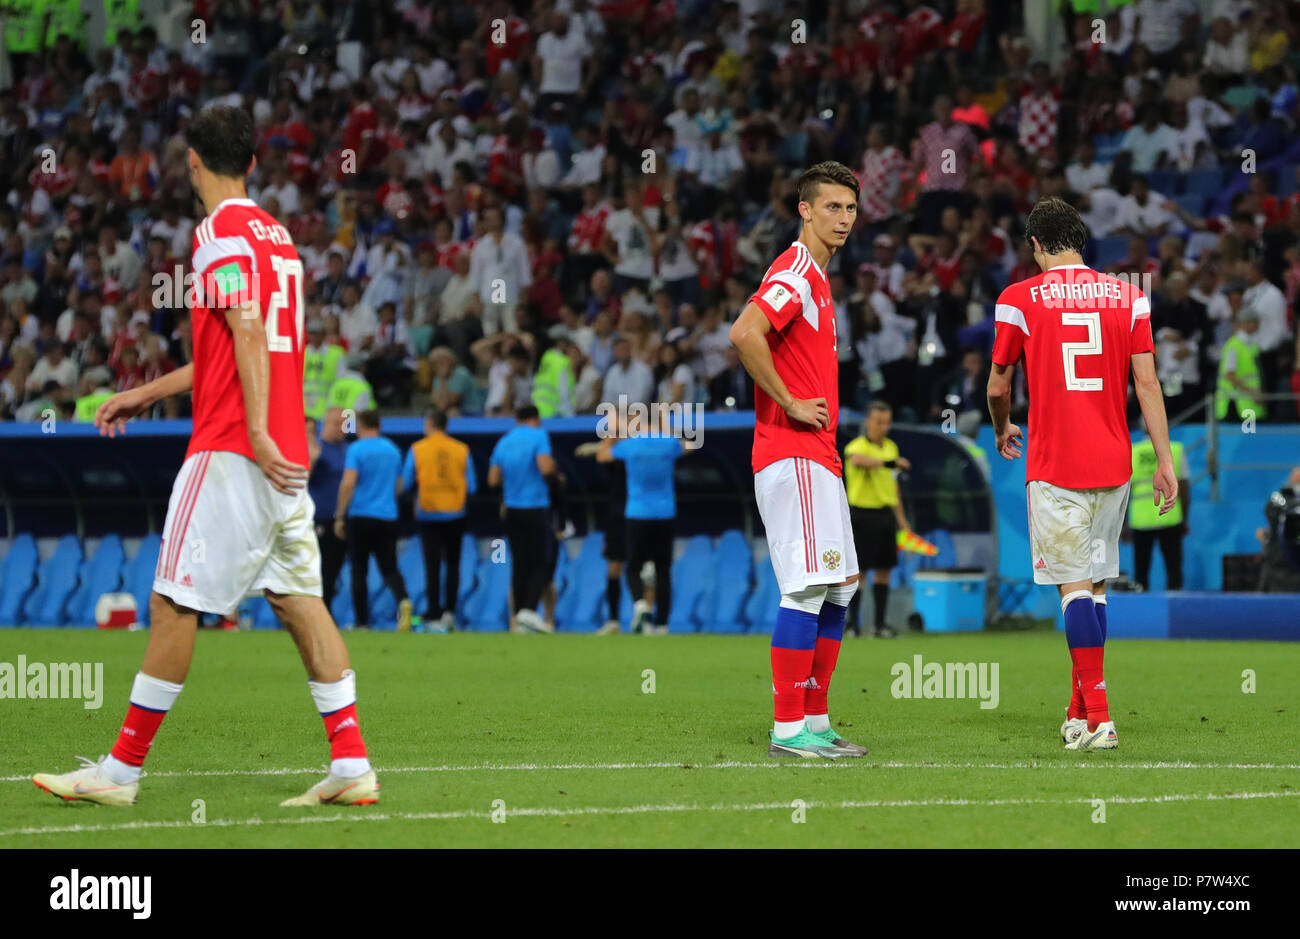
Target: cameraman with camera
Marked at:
1281, 539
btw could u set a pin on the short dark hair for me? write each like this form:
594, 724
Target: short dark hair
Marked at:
829, 172
369, 419
223, 138
527, 412
437, 417
1057, 226
878, 405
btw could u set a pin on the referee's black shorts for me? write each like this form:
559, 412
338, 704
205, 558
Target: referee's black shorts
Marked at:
875, 536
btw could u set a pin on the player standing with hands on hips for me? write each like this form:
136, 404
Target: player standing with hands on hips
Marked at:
1078, 332
240, 519
786, 340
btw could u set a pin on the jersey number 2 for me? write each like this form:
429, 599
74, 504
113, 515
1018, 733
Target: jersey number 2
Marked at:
286, 270
1090, 346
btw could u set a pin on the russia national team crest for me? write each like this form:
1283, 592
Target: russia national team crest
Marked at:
831, 559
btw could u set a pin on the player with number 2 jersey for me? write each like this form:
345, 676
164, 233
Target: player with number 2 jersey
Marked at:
1078, 333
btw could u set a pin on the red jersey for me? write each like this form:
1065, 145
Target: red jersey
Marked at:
1076, 330
242, 253
796, 298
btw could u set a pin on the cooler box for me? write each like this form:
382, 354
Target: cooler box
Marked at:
949, 601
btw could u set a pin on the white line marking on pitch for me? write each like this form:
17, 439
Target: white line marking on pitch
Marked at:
802, 764
550, 812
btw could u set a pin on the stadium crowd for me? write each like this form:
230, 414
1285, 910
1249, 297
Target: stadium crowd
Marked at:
499, 203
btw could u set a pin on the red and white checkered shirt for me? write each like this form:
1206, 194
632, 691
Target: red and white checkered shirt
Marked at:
947, 154
589, 230
879, 181
1039, 119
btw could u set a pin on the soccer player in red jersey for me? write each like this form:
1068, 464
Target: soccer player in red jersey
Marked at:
240, 519
786, 340
1078, 333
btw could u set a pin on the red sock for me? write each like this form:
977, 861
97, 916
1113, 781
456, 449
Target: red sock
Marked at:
1077, 707
823, 666
344, 733
1087, 661
790, 671
136, 736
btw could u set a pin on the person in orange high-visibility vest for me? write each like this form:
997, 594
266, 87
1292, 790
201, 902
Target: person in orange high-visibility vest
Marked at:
439, 469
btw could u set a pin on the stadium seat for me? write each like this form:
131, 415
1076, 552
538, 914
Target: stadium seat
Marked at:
56, 579
941, 538
341, 607
581, 606
733, 578
410, 562
761, 607
101, 573
1110, 250
693, 586
1192, 203
488, 608
137, 575
1165, 182
1205, 183
17, 577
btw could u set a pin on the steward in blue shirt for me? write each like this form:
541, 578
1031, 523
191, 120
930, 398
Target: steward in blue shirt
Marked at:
651, 519
368, 501
521, 464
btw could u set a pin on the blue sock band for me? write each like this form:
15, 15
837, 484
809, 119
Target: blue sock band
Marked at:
1100, 610
796, 629
1082, 630
830, 621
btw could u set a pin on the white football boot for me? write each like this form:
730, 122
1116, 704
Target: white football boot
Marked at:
88, 784
337, 790
1103, 738
1072, 727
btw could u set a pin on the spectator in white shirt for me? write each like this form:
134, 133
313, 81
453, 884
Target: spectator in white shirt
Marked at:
684, 122
1141, 212
499, 273
388, 69
54, 366
562, 60
629, 238
1227, 51
628, 377
587, 160
713, 165
1264, 297
1151, 143
1085, 173
1160, 25
445, 149
357, 321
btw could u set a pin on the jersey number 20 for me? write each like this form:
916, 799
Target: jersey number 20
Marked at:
1090, 346
286, 270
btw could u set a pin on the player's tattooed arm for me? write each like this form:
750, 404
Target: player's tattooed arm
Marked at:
112, 415
253, 361
1009, 439
749, 336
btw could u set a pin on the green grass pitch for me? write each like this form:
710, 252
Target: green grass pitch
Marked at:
534, 741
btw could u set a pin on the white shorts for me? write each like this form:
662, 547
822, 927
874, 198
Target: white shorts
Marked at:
1074, 533
229, 533
806, 514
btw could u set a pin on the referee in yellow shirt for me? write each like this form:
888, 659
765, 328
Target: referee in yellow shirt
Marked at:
870, 463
